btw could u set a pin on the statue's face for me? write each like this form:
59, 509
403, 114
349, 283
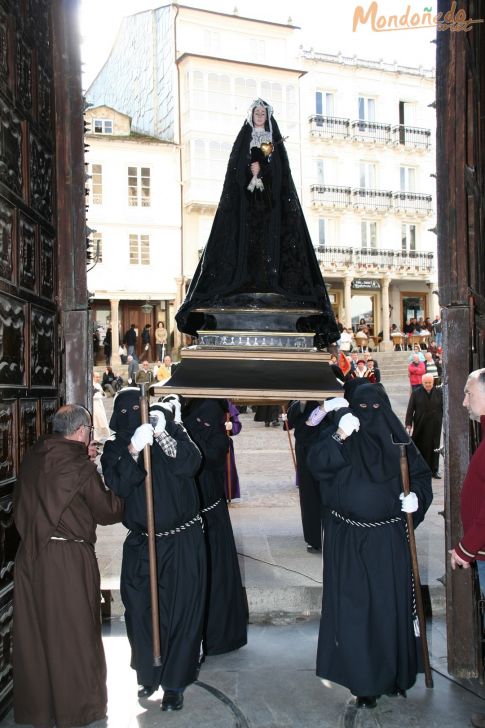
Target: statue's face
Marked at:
259, 116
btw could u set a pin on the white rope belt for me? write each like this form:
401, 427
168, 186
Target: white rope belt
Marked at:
61, 538
209, 508
364, 524
178, 529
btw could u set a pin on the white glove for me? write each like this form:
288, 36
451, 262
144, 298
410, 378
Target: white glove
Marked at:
228, 425
142, 436
349, 424
410, 502
284, 416
157, 419
177, 411
334, 404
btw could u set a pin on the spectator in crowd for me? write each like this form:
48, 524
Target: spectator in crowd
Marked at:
165, 371
372, 371
432, 367
144, 374
437, 329
111, 383
416, 369
133, 368
416, 350
100, 421
107, 346
161, 340
345, 341
130, 339
146, 342
424, 418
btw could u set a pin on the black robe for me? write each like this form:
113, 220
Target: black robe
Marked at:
366, 640
310, 504
225, 626
259, 244
181, 559
425, 415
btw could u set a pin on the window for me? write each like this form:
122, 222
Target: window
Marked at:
139, 249
408, 238
96, 184
368, 234
324, 103
102, 126
95, 248
367, 109
367, 175
407, 177
326, 231
139, 186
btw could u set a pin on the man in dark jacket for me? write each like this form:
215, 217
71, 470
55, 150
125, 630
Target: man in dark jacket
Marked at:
58, 657
129, 339
180, 548
424, 418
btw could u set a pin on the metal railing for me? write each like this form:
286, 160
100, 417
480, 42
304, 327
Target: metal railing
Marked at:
334, 127
347, 257
329, 127
412, 202
411, 136
371, 131
367, 199
331, 196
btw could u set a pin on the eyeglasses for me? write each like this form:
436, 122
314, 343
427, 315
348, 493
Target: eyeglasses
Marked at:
91, 430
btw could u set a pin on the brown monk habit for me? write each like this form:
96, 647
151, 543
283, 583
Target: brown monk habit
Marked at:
58, 657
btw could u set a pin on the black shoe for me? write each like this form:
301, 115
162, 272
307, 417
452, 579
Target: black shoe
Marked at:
146, 690
275, 423
313, 549
266, 424
172, 700
366, 701
436, 476
397, 693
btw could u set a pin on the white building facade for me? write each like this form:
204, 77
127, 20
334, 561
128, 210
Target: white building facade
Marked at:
360, 143
135, 214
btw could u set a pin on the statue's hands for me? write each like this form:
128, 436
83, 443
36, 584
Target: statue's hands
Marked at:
255, 169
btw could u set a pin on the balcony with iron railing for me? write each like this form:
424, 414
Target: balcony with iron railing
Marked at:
331, 257
362, 198
338, 128
371, 131
412, 202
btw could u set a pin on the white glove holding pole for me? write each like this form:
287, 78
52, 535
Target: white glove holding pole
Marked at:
228, 425
334, 404
157, 419
410, 503
142, 436
349, 424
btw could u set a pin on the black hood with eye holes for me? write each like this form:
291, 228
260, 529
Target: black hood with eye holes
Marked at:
126, 415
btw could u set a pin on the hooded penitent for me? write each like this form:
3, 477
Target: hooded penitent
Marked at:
126, 415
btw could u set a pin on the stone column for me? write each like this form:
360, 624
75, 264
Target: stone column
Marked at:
115, 338
179, 297
348, 301
386, 343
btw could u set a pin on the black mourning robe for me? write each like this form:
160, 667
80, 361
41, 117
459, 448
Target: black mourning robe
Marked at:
310, 504
225, 627
181, 559
366, 638
259, 244
425, 415
58, 657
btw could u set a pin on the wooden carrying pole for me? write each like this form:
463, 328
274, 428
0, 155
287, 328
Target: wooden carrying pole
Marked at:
287, 428
152, 554
403, 462
228, 461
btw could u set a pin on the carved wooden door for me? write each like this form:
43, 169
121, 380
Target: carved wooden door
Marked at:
30, 305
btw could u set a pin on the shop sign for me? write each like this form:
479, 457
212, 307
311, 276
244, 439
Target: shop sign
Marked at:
366, 284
